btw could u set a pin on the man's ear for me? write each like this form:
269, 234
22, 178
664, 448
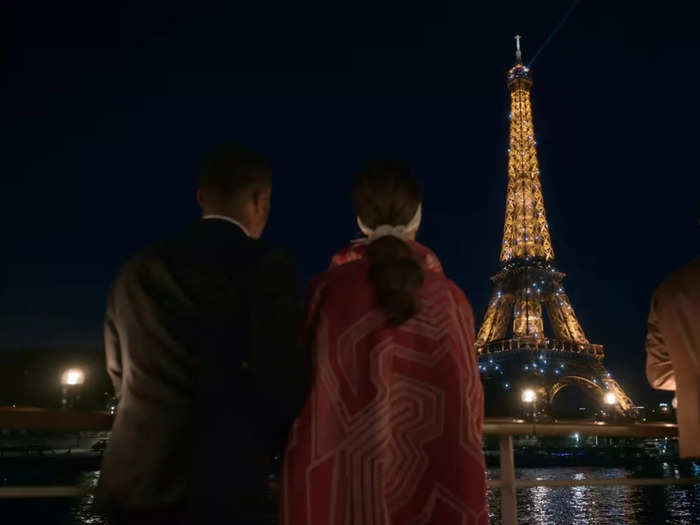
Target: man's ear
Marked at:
260, 195
199, 198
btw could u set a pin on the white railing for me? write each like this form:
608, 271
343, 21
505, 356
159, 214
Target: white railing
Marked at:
507, 428
69, 420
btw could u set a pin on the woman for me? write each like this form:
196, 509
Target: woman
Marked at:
391, 431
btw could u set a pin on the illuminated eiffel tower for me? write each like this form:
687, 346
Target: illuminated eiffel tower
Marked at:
525, 358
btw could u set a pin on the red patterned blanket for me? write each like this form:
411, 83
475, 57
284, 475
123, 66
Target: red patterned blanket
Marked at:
391, 433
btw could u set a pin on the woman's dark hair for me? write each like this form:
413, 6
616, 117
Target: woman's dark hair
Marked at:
386, 192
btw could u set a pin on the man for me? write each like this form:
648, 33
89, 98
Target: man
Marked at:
200, 336
673, 350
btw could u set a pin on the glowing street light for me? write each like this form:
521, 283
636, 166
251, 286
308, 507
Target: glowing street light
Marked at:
73, 377
529, 399
71, 381
528, 396
610, 398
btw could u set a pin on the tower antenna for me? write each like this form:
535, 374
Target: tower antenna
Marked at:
518, 54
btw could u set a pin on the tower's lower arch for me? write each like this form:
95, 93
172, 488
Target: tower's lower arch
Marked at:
593, 390
507, 374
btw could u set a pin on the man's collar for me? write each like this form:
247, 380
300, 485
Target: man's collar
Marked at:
227, 219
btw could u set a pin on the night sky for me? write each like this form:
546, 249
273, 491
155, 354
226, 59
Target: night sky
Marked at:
104, 113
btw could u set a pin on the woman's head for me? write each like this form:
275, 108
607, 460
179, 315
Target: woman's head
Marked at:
386, 192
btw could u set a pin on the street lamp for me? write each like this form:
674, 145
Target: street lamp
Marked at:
528, 396
610, 400
71, 381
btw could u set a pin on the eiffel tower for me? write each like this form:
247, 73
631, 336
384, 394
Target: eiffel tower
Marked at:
524, 366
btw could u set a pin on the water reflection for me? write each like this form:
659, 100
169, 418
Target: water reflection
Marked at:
582, 511
677, 505
82, 509
585, 505
53, 511
540, 499
683, 504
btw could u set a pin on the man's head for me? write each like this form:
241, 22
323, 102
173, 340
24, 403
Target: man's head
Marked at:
235, 183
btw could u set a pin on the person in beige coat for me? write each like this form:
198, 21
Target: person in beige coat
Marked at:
673, 350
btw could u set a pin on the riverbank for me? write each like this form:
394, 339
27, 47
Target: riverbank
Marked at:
615, 456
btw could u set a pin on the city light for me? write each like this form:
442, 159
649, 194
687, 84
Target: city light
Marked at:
528, 395
71, 383
610, 398
73, 376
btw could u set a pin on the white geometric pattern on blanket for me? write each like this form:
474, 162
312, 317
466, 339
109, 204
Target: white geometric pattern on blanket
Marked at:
384, 441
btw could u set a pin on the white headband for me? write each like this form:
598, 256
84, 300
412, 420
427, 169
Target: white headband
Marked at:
402, 232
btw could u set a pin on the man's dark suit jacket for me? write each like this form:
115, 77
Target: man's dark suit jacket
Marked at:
200, 336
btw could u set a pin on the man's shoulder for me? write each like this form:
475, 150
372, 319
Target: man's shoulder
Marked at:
202, 241
136, 265
274, 263
689, 273
258, 259
685, 279
155, 253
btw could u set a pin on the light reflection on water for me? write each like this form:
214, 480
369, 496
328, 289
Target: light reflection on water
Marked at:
52, 511
617, 505
82, 509
585, 505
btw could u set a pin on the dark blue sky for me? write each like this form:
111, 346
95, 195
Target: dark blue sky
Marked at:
105, 111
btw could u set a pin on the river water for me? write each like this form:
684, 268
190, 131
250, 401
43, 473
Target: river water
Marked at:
617, 505
677, 505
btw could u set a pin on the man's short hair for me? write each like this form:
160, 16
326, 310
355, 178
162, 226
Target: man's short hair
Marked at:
227, 171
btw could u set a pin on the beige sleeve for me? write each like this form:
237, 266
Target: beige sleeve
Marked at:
659, 367
113, 356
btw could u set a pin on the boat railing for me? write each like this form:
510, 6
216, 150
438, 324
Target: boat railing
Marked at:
69, 420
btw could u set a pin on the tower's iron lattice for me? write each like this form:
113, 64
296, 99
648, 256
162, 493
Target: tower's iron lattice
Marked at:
512, 338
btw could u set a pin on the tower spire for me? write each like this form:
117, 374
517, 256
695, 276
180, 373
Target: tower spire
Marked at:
518, 54
526, 232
